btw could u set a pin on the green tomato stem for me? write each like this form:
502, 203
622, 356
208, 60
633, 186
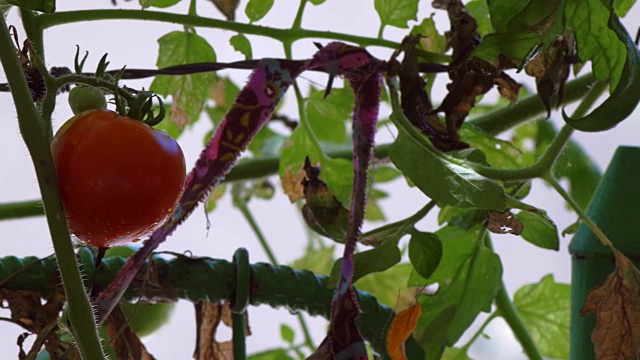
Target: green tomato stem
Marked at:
509, 313
574, 205
37, 141
297, 22
475, 336
551, 154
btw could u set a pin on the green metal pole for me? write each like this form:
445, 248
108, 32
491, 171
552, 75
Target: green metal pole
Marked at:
615, 208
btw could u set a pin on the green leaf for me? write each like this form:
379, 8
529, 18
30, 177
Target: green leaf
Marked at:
158, 3
287, 334
545, 308
521, 27
480, 11
257, 9
45, 6
622, 7
596, 41
336, 173
371, 261
539, 230
327, 116
425, 252
383, 174
455, 354
189, 92
396, 12
607, 58
242, 45
445, 182
317, 260
317, 2
456, 305
275, 354
386, 285
498, 153
431, 40
464, 218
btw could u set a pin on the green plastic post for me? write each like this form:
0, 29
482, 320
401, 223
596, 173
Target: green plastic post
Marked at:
615, 208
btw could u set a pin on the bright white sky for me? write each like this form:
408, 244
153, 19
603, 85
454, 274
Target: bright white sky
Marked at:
134, 44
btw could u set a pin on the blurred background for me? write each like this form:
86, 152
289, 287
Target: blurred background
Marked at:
134, 44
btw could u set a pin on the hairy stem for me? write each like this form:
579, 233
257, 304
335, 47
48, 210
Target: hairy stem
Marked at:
37, 140
297, 22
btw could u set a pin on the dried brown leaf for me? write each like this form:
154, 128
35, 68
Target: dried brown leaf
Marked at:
292, 183
551, 71
470, 77
227, 8
323, 352
503, 222
208, 317
616, 303
401, 329
124, 341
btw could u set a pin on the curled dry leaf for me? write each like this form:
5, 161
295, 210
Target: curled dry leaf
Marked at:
470, 76
227, 8
551, 71
208, 317
400, 329
503, 222
617, 307
125, 342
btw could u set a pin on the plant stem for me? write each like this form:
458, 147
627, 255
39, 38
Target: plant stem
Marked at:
22, 209
583, 216
509, 313
297, 22
553, 151
33, 29
37, 141
283, 35
505, 118
242, 205
475, 336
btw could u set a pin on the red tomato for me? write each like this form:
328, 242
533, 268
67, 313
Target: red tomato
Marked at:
119, 179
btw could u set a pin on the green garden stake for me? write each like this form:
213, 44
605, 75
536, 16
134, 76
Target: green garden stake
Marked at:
615, 208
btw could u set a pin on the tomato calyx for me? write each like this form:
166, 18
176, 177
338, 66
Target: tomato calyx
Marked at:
141, 108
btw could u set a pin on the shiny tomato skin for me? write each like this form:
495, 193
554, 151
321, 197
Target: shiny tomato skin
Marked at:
119, 179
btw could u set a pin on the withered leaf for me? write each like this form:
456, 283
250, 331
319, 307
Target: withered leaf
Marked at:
416, 104
617, 307
503, 222
469, 76
208, 317
551, 71
401, 329
323, 212
125, 342
227, 8
28, 312
323, 351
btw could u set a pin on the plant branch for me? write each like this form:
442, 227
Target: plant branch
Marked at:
282, 35
475, 336
297, 22
509, 313
583, 216
548, 159
37, 141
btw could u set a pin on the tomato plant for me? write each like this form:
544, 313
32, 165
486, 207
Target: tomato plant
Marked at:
119, 178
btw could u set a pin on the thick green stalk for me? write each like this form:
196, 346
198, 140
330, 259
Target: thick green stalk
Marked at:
510, 314
551, 154
507, 117
37, 141
282, 35
21, 209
